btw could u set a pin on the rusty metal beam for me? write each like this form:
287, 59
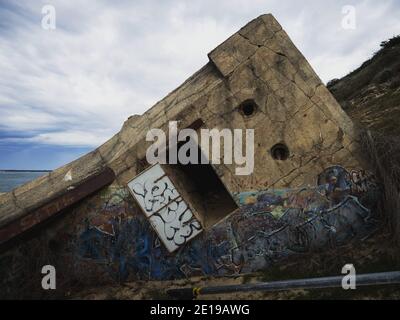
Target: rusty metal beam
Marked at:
63, 201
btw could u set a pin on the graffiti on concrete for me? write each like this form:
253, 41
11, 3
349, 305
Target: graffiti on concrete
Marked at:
362, 181
153, 190
335, 184
269, 226
175, 224
108, 238
168, 213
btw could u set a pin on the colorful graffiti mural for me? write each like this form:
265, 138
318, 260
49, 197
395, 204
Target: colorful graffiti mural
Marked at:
108, 238
269, 226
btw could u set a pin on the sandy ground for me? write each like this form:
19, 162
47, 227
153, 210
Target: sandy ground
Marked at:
157, 291
377, 254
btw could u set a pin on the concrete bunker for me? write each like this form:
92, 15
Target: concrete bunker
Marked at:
322, 195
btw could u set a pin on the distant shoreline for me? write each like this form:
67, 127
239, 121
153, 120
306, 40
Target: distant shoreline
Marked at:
26, 170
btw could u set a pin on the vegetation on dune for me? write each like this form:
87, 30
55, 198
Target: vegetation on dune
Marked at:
377, 78
371, 97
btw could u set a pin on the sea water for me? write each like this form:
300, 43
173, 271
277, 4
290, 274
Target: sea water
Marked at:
12, 179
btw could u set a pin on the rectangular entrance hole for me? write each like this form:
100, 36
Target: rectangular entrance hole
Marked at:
203, 190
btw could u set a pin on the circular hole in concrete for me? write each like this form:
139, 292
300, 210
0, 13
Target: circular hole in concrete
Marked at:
280, 152
248, 108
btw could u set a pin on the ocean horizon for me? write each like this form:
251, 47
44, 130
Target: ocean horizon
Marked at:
10, 179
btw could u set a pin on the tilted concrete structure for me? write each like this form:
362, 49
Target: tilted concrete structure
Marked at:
310, 187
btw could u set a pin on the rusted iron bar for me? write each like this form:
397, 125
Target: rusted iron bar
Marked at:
371, 279
63, 201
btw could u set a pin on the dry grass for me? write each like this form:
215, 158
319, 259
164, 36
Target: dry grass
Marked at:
384, 154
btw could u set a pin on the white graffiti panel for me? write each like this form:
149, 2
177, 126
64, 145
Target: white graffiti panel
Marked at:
168, 213
153, 190
175, 224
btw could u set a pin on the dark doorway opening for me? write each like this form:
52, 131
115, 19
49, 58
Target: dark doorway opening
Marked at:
202, 189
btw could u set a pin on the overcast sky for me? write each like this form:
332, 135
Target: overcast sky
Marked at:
65, 91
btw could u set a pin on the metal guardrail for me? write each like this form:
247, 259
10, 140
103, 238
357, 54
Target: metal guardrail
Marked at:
371, 279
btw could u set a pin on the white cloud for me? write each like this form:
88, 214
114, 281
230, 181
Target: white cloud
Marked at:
70, 138
66, 138
107, 61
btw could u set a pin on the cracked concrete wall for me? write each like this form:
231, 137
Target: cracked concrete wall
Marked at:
262, 64
259, 63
